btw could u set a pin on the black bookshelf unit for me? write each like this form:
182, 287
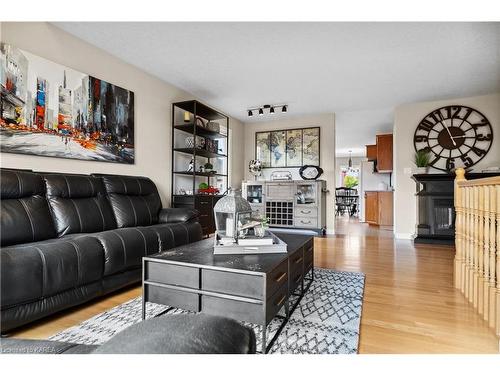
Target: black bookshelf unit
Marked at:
189, 126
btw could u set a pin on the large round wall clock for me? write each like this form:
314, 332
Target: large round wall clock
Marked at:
455, 136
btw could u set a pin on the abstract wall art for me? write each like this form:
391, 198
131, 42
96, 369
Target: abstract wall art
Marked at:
288, 148
48, 109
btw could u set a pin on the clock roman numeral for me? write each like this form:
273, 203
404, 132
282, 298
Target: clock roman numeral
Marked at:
478, 151
426, 125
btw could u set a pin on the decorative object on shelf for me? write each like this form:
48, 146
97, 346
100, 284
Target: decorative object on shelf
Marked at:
422, 158
199, 122
288, 148
255, 168
48, 109
349, 163
270, 107
455, 136
281, 176
200, 142
191, 166
212, 145
187, 116
231, 212
213, 126
208, 189
310, 172
201, 169
208, 167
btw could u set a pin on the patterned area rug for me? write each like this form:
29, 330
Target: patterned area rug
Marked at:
325, 322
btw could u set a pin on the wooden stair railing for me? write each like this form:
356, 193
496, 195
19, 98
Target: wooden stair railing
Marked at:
477, 243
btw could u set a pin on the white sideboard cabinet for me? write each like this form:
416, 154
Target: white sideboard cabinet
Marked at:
289, 204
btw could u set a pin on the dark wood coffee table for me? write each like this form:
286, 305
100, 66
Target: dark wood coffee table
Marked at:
249, 288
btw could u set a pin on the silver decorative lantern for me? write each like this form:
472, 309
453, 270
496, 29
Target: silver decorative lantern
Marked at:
231, 213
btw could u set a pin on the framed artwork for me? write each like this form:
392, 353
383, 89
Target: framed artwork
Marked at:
294, 148
48, 109
262, 149
310, 148
277, 147
288, 148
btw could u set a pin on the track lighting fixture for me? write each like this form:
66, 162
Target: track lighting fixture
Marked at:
271, 107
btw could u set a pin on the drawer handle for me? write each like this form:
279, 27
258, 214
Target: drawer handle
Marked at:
309, 249
203, 202
282, 276
297, 279
281, 300
305, 222
298, 260
305, 212
310, 264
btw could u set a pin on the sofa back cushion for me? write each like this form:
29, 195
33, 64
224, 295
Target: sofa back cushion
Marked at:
135, 200
25, 215
78, 204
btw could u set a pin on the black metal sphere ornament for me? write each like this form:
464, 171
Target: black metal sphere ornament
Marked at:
310, 172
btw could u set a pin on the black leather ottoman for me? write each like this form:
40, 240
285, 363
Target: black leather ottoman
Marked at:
174, 334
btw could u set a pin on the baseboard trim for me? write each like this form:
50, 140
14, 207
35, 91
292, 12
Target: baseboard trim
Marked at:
403, 236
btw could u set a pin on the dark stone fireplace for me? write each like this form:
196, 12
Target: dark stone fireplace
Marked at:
435, 206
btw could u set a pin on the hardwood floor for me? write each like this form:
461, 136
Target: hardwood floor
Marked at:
410, 305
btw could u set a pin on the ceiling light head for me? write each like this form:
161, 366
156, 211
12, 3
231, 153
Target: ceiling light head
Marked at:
284, 109
250, 113
261, 111
271, 110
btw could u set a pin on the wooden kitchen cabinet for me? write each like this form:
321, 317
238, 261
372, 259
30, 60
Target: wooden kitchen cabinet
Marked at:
371, 152
379, 208
384, 153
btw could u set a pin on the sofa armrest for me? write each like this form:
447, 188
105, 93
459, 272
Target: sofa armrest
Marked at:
177, 215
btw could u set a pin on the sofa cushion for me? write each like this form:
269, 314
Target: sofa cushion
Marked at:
78, 204
177, 234
135, 200
125, 247
41, 269
25, 215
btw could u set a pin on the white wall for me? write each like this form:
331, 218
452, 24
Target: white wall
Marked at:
406, 120
327, 150
153, 102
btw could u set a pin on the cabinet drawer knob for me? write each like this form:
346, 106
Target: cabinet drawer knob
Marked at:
281, 277
305, 222
280, 300
305, 212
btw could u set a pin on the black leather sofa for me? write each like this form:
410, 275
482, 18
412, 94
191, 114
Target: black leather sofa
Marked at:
66, 239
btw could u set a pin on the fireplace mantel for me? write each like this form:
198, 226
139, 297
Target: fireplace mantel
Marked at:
435, 206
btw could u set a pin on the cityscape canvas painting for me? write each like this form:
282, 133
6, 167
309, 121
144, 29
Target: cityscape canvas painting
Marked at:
288, 148
50, 110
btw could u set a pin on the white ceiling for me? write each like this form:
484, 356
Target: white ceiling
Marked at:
360, 71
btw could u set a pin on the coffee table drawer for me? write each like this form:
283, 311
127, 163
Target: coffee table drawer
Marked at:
170, 297
237, 284
245, 311
296, 278
277, 278
172, 274
238, 310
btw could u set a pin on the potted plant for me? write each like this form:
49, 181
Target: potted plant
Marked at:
260, 230
208, 167
422, 159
